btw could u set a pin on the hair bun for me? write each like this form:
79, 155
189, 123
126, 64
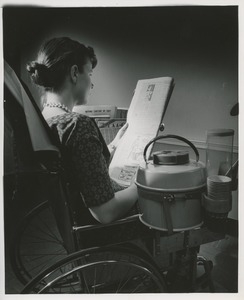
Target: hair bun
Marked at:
39, 73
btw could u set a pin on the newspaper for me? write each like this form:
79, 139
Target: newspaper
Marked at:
144, 117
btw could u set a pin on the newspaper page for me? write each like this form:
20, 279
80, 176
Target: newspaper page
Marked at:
144, 117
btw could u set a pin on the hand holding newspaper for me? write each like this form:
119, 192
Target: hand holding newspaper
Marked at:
144, 117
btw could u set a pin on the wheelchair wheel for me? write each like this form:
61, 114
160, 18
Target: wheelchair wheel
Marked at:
36, 244
99, 271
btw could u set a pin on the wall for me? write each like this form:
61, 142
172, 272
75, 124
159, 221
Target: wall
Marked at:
197, 46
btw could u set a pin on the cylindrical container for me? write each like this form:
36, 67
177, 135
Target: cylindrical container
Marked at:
219, 152
170, 188
167, 211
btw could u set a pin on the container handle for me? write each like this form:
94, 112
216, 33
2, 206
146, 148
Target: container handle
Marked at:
174, 137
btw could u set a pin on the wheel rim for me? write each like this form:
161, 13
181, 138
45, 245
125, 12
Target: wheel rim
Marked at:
90, 274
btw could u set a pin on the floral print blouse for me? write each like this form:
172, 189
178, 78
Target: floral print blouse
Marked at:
86, 156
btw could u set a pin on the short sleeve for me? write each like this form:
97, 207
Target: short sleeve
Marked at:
88, 165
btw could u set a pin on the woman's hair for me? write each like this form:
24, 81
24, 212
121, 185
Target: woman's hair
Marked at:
54, 60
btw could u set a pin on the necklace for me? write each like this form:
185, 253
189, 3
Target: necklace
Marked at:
59, 105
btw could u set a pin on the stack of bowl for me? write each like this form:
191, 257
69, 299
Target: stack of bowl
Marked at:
218, 200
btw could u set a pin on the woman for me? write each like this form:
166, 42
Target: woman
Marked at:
64, 68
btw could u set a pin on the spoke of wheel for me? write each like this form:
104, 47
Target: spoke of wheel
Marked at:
65, 286
41, 266
40, 218
121, 280
124, 284
94, 282
103, 267
142, 290
45, 264
135, 289
55, 241
138, 287
59, 252
85, 281
42, 255
49, 232
35, 227
72, 288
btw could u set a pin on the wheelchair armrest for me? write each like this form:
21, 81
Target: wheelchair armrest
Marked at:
129, 219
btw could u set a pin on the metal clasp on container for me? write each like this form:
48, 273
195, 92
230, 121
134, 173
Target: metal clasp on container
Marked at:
169, 197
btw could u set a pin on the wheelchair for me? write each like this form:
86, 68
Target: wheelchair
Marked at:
56, 250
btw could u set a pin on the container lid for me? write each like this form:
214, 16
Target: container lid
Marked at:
220, 132
174, 178
171, 157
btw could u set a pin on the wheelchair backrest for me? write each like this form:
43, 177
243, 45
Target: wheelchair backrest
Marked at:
30, 147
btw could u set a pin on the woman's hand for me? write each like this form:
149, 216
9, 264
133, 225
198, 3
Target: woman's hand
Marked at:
114, 144
119, 135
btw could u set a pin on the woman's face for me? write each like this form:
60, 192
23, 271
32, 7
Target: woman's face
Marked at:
84, 84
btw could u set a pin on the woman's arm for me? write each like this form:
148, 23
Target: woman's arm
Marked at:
89, 170
117, 207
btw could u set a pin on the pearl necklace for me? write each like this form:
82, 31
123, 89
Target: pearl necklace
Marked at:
59, 105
